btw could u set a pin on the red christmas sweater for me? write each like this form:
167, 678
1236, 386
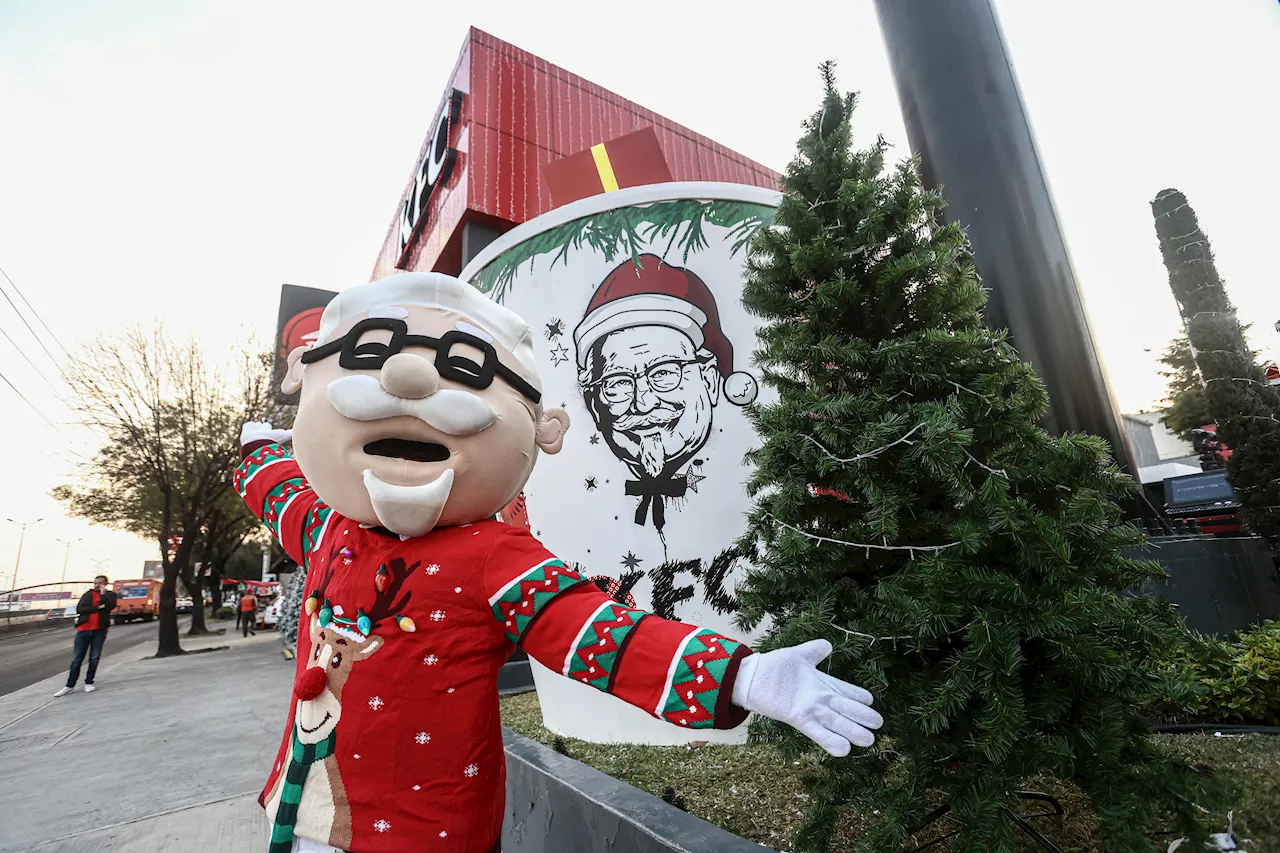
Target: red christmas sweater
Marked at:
393, 740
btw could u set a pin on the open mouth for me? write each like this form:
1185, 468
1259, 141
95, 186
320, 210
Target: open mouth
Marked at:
403, 448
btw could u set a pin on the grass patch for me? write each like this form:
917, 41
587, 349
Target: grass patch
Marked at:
752, 791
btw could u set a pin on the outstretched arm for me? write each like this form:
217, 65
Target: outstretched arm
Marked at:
272, 485
685, 675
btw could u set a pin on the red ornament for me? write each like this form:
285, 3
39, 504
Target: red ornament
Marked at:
382, 579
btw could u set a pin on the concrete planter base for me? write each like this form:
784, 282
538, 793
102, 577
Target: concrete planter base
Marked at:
558, 805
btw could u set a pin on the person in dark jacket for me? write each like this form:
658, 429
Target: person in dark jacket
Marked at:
93, 616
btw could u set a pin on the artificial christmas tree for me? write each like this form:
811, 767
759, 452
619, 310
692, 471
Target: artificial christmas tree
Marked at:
1243, 404
966, 565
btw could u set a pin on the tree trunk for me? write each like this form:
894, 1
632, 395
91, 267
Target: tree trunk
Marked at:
169, 642
195, 586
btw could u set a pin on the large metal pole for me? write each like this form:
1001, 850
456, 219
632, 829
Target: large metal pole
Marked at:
965, 119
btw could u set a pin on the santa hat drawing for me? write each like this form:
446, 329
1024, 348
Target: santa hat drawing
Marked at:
649, 292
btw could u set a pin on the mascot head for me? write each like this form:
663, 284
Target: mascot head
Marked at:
420, 404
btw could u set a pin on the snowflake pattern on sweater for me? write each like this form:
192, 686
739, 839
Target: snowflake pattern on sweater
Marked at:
410, 636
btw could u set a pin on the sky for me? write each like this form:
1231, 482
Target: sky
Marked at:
181, 159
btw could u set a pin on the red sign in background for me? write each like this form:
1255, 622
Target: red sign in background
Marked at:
520, 113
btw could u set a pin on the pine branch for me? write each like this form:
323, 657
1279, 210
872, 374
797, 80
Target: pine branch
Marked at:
624, 230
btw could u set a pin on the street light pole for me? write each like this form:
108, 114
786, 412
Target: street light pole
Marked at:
21, 537
65, 558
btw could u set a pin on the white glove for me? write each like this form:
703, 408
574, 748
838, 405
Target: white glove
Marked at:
785, 685
254, 431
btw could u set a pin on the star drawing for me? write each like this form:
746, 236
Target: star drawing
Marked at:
631, 560
591, 484
595, 439
559, 355
692, 480
555, 328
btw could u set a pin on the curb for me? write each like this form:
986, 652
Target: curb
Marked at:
24, 629
555, 804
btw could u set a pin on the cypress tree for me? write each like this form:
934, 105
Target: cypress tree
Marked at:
1185, 406
965, 564
1237, 395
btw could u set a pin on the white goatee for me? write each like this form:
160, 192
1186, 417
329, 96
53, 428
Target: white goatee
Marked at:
652, 455
408, 510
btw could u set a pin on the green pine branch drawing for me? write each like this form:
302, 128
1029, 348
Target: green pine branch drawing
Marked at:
622, 232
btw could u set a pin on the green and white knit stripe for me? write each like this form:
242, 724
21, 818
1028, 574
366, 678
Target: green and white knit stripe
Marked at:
301, 757
313, 532
255, 462
277, 501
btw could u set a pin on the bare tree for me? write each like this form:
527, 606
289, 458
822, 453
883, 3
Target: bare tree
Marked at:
169, 423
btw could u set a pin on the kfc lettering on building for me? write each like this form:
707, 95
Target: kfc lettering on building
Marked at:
434, 168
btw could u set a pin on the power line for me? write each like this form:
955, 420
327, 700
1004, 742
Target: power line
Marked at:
18, 291
29, 361
28, 402
29, 329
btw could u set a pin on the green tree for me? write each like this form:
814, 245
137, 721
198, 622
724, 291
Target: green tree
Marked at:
1236, 392
965, 564
1185, 405
169, 423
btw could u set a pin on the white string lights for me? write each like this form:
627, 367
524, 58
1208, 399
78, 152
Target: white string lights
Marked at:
867, 546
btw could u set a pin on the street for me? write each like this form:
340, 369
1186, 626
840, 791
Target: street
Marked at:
28, 658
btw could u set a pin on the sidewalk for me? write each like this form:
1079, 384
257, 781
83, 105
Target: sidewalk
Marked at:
167, 755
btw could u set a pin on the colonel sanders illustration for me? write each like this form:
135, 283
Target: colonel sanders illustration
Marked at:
653, 362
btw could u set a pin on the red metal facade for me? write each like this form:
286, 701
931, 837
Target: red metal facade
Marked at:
520, 112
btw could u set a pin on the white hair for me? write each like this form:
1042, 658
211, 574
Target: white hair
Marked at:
435, 290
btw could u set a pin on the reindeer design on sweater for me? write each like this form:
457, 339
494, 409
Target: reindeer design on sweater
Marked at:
309, 796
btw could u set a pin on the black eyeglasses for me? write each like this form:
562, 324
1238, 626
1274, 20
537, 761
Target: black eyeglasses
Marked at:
372, 355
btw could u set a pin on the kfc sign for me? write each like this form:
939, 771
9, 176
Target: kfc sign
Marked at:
432, 171
635, 299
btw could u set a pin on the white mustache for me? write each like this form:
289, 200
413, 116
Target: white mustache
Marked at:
660, 416
362, 398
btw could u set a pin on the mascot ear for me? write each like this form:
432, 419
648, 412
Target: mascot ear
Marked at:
293, 378
551, 430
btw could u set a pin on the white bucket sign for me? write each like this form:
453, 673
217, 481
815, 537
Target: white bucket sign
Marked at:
634, 297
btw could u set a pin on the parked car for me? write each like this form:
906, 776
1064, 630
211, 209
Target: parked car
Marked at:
184, 604
270, 615
62, 613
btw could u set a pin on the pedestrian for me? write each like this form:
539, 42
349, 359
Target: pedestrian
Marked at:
93, 616
248, 614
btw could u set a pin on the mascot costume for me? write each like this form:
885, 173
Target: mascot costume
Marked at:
421, 417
